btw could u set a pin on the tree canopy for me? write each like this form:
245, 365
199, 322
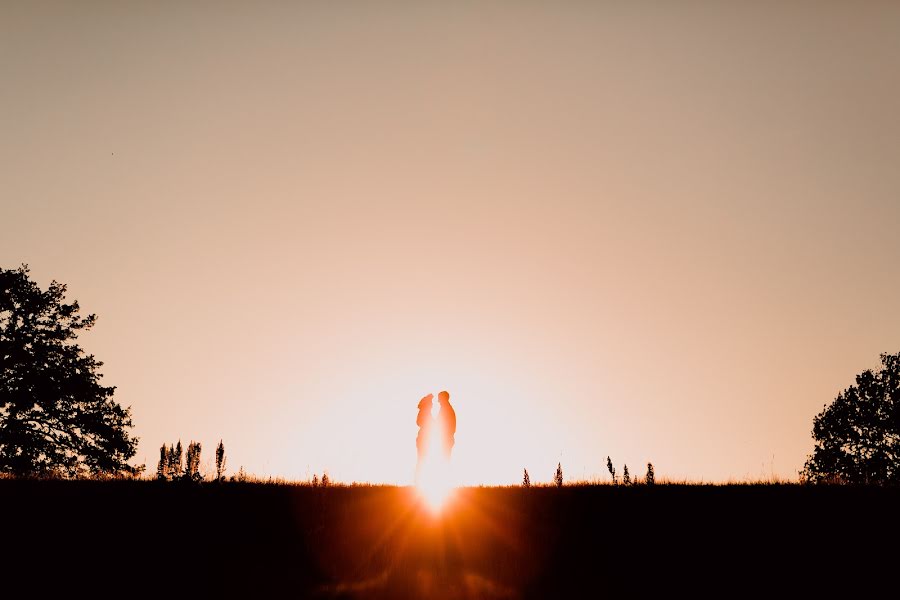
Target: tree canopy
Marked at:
858, 435
55, 416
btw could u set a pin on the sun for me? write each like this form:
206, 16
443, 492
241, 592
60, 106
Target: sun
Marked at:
435, 493
436, 484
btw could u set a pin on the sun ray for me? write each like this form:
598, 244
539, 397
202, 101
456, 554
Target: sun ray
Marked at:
436, 483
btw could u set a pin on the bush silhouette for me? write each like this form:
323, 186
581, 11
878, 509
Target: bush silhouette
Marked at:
162, 469
650, 479
220, 461
240, 476
858, 436
175, 465
626, 478
526, 480
558, 476
171, 468
612, 470
192, 462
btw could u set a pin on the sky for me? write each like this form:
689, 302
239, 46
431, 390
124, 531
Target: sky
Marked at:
661, 232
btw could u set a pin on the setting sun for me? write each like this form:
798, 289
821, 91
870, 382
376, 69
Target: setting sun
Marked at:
436, 493
435, 481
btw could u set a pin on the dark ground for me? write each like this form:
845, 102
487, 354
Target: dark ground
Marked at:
139, 538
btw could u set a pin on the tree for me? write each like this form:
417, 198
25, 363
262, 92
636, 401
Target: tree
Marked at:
858, 436
650, 478
558, 476
220, 461
55, 417
526, 480
626, 477
611, 469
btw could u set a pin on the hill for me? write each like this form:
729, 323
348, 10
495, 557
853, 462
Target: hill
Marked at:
347, 542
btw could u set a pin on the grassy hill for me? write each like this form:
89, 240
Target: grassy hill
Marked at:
240, 539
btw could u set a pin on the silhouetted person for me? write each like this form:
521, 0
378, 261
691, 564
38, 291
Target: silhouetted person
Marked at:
446, 424
424, 421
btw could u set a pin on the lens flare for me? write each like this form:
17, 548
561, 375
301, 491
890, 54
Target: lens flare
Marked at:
435, 494
436, 484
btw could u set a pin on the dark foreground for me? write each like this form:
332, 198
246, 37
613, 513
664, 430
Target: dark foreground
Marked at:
133, 539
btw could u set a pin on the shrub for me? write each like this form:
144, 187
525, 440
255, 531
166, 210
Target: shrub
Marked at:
220, 461
175, 455
162, 469
192, 463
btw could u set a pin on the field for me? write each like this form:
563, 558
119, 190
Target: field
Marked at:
258, 540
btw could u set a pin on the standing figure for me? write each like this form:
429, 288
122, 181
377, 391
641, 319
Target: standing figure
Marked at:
424, 421
447, 424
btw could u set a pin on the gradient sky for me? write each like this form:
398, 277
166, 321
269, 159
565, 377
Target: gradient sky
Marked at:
663, 232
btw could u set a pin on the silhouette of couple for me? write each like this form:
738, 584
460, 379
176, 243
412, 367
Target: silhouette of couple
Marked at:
426, 444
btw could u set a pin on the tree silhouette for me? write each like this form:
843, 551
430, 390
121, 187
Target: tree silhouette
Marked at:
55, 417
650, 479
558, 476
858, 436
220, 461
626, 478
526, 480
611, 469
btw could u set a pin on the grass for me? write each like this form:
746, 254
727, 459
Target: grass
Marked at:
266, 539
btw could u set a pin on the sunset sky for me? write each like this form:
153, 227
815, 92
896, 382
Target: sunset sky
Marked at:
662, 232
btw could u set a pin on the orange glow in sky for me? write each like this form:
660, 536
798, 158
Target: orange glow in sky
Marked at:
665, 235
